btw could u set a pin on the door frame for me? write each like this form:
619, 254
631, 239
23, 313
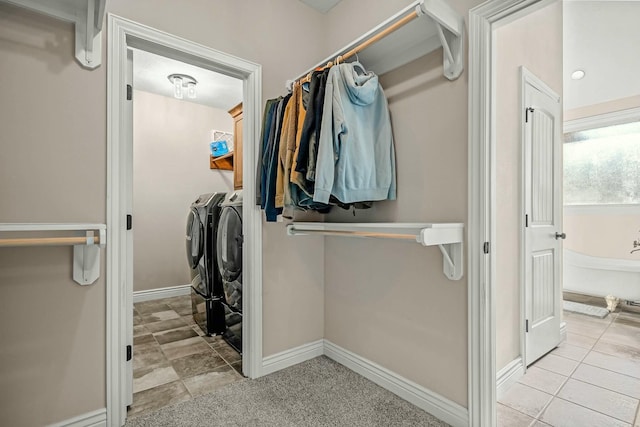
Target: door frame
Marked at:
124, 33
483, 21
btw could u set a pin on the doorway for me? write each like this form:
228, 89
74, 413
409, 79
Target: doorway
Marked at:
183, 322
124, 36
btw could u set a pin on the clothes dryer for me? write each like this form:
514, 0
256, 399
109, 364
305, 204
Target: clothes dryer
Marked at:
229, 254
207, 293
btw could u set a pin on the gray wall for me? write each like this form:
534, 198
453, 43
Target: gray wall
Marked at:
534, 41
170, 169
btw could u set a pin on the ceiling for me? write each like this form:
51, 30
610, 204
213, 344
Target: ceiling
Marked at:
321, 5
602, 38
216, 90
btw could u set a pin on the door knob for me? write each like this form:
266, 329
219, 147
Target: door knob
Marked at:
560, 236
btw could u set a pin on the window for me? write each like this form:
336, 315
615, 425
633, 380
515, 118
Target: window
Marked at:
602, 165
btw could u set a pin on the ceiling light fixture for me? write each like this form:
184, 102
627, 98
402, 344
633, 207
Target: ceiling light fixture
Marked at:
577, 75
180, 82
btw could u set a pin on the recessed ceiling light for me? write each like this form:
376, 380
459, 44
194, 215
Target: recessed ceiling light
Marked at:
577, 75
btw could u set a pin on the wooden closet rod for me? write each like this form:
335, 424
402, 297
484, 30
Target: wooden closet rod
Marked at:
47, 241
360, 234
365, 44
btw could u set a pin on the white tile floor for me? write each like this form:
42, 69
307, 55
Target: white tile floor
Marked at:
590, 380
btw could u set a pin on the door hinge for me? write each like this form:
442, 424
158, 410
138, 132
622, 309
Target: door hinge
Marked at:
526, 220
129, 352
486, 247
129, 92
526, 113
526, 325
129, 222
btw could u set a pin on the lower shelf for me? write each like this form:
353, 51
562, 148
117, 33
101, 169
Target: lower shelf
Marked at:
223, 162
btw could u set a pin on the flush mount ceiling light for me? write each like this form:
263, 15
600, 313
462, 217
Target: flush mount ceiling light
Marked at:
182, 82
577, 75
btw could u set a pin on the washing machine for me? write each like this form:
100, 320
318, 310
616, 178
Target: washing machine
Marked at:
207, 292
229, 254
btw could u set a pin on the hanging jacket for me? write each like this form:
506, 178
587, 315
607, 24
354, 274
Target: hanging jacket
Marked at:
287, 145
270, 209
356, 159
269, 132
266, 125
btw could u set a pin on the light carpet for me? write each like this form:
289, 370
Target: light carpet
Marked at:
319, 392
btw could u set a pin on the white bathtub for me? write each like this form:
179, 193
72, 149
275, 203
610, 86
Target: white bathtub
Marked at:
596, 276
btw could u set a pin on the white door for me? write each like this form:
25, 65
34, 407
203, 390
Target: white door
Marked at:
542, 153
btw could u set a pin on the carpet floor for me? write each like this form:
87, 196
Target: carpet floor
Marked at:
319, 392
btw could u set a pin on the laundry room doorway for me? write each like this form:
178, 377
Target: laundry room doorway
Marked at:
150, 172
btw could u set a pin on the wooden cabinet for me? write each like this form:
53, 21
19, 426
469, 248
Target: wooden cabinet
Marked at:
236, 114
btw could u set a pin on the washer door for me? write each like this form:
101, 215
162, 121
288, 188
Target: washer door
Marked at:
195, 238
229, 246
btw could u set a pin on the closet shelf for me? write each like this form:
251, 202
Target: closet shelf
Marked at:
86, 246
88, 17
449, 237
418, 29
222, 162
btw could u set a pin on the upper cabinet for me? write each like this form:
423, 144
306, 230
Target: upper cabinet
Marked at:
236, 114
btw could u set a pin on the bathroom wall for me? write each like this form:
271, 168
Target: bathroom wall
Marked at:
534, 41
53, 168
170, 169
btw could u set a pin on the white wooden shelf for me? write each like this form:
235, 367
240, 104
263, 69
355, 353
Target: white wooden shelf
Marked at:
437, 25
86, 247
449, 237
87, 16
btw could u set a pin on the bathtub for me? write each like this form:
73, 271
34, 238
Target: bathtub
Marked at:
588, 275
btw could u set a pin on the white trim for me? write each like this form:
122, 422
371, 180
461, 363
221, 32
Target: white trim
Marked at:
160, 293
599, 263
123, 34
508, 376
563, 331
481, 196
291, 357
603, 120
433, 403
616, 209
97, 418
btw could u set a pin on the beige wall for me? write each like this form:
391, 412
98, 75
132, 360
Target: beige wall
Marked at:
603, 234
534, 41
390, 301
53, 168
170, 169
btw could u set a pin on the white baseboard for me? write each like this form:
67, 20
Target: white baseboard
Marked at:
291, 357
439, 406
159, 293
96, 418
563, 331
508, 376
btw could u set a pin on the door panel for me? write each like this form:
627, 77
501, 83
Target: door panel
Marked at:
543, 218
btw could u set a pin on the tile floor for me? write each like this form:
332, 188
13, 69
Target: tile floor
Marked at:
592, 379
172, 359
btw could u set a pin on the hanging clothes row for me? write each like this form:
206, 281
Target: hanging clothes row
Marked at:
329, 142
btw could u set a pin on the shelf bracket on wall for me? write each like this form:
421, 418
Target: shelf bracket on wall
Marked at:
448, 237
86, 248
87, 17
